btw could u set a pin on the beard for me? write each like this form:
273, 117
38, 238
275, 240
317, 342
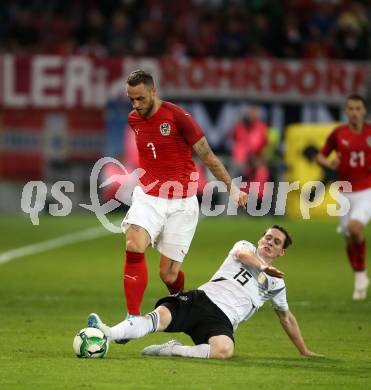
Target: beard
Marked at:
148, 111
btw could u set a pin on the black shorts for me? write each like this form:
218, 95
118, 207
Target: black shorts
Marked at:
196, 315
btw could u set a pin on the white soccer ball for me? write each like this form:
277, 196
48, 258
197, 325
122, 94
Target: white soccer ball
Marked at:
90, 343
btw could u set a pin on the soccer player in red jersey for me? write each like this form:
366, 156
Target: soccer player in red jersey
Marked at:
164, 211
352, 143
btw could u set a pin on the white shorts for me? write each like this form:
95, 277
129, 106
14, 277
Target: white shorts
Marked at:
170, 223
360, 209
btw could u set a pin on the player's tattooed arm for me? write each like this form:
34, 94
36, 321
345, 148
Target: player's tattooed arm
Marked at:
207, 156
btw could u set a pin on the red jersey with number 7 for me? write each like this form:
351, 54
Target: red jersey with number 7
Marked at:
164, 143
354, 151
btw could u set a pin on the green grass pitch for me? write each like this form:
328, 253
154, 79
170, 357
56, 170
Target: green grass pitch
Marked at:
46, 297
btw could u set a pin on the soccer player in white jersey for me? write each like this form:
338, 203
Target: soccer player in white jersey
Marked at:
211, 313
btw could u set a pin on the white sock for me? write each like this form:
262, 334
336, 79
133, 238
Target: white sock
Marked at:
195, 351
136, 327
360, 280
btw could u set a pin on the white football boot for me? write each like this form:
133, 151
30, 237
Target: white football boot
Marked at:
161, 349
361, 283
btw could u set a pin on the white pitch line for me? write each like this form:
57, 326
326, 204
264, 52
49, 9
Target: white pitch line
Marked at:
83, 235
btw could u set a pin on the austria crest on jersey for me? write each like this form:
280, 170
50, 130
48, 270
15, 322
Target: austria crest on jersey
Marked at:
165, 128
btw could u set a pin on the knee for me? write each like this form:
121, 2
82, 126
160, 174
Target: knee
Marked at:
133, 245
168, 276
221, 347
356, 231
165, 317
222, 352
137, 239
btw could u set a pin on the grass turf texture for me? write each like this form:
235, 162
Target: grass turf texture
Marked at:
45, 299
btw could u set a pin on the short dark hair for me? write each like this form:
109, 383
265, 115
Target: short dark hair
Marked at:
288, 240
359, 98
139, 76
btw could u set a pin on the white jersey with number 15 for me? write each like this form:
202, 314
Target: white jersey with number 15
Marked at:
240, 290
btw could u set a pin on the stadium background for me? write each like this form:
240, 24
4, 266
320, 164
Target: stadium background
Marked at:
62, 107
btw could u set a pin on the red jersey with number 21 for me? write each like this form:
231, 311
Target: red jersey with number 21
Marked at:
164, 143
355, 154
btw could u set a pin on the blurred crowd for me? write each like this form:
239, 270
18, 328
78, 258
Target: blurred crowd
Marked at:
335, 29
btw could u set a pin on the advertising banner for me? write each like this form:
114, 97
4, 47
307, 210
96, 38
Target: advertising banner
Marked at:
47, 81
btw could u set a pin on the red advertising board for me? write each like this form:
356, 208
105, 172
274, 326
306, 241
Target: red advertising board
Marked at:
50, 82
53, 106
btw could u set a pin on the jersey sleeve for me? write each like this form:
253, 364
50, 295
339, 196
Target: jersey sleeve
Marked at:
279, 301
330, 144
188, 127
242, 245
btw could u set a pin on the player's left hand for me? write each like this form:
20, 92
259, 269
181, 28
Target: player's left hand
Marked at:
310, 353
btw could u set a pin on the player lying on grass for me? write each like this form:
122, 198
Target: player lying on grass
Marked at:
211, 313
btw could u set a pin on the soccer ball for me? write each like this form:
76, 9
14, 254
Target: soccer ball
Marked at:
90, 343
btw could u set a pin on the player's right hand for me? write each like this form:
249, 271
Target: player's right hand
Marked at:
273, 271
334, 163
239, 197
242, 199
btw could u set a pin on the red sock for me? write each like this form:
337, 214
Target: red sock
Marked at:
361, 256
357, 256
350, 254
135, 280
178, 285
